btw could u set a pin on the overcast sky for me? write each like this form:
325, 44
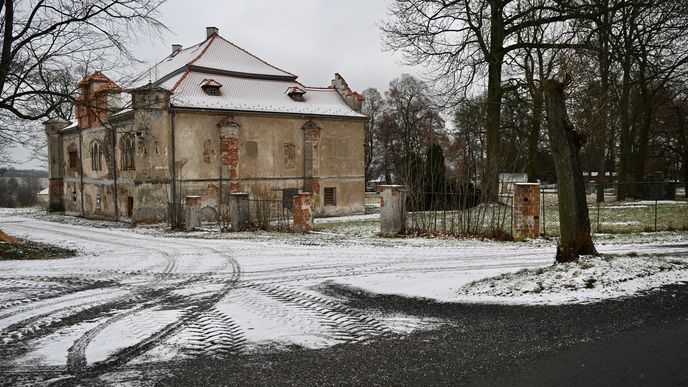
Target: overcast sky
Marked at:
310, 38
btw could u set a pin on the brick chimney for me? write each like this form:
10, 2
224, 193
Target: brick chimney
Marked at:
210, 31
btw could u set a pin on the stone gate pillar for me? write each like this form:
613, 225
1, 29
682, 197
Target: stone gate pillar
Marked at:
303, 212
239, 211
392, 210
192, 213
526, 215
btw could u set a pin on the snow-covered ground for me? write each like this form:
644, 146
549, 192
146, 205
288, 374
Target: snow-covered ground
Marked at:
145, 294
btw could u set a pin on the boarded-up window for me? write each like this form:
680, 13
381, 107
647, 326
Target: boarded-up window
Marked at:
330, 196
74, 198
208, 152
73, 156
128, 152
252, 149
289, 155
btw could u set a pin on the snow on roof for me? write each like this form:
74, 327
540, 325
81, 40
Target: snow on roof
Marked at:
247, 82
224, 55
173, 63
260, 95
215, 53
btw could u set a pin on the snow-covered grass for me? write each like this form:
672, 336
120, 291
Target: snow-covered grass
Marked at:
626, 216
588, 279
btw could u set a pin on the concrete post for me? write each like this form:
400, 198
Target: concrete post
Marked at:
526, 211
303, 212
192, 213
239, 211
392, 210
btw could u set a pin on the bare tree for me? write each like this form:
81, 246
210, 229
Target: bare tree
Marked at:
574, 222
373, 108
468, 39
469, 121
47, 45
411, 123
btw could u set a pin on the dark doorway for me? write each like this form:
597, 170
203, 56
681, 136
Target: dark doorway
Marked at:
130, 206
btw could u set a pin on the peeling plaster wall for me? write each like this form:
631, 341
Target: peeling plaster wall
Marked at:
268, 152
255, 154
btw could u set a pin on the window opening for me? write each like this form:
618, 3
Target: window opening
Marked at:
128, 152
330, 197
96, 156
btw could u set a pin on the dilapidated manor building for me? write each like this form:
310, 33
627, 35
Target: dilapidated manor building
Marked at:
207, 120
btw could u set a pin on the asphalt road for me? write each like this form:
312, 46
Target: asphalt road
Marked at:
651, 355
635, 341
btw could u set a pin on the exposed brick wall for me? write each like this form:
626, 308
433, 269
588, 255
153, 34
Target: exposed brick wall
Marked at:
303, 212
526, 211
229, 150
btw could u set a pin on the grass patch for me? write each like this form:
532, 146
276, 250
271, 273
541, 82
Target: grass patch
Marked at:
33, 250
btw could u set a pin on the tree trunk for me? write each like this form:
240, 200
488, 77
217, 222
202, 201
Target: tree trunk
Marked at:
494, 105
534, 137
625, 146
490, 183
603, 127
574, 223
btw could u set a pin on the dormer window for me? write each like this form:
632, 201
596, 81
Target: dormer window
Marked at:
211, 87
296, 93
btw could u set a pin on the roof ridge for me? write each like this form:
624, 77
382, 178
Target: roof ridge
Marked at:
176, 84
205, 49
274, 67
164, 59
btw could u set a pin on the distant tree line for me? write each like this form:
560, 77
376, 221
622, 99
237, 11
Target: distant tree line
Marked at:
407, 142
19, 192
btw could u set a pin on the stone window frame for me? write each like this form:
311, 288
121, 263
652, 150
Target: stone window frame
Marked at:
96, 156
330, 196
128, 145
251, 149
73, 156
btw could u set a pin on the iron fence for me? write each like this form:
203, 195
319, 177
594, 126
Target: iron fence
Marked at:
460, 213
175, 215
612, 208
623, 207
269, 214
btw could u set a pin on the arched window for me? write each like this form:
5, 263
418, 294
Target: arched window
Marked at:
96, 156
128, 151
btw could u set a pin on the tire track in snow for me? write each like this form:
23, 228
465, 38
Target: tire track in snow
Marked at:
347, 324
214, 334
48, 322
197, 311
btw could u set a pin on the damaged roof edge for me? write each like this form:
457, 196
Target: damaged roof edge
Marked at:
262, 113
